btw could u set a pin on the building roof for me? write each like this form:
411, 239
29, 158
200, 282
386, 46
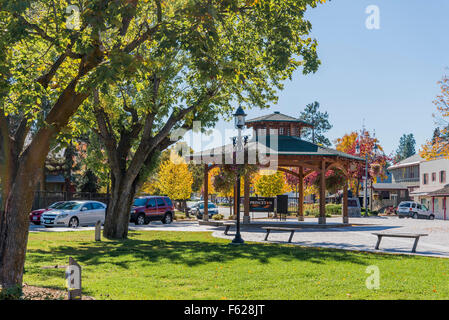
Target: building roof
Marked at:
277, 117
424, 191
286, 145
291, 145
440, 192
389, 186
410, 161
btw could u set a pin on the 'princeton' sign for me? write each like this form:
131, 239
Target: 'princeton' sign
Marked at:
261, 204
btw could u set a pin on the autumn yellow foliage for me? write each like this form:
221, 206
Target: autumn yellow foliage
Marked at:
174, 178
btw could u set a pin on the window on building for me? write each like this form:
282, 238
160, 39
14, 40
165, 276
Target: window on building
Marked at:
434, 176
385, 195
425, 178
442, 176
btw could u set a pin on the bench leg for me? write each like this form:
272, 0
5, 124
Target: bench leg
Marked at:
266, 236
415, 244
291, 236
379, 238
227, 229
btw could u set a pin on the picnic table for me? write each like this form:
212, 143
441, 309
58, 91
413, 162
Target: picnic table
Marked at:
415, 236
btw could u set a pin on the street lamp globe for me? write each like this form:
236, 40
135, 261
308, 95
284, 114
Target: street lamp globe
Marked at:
239, 117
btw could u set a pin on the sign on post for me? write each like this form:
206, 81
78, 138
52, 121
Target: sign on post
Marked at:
73, 277
98, 231
261, 204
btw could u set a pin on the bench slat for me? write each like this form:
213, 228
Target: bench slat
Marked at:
280, 229
401, 235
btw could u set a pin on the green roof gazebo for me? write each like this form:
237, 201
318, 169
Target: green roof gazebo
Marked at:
279, 137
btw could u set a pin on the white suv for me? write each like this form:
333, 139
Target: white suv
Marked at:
411, 209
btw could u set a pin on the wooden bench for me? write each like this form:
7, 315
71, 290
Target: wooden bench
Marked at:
269, 229
228, 225
415, 236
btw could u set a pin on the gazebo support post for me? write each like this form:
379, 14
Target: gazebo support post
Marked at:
345, 202
300, 194
322, 217
246, 217
206, 193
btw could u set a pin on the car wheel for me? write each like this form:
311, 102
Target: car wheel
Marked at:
36, 223
167, 219
74, 223
431, 217
415, 216
140, 220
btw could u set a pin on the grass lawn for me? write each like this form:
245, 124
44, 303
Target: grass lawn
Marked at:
187, 265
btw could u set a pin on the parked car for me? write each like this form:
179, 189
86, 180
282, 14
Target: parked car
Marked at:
411, 209
152, 208
198, 209
74, 214
35, 216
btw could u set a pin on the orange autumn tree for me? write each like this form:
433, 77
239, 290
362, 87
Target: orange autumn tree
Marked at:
376, 164
439, 145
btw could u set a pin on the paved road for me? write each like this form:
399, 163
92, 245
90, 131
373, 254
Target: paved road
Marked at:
360, 237
350, 238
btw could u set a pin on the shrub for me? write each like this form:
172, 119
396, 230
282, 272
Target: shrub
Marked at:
13, 293
314, 210
218, 217
333, 209
179, 216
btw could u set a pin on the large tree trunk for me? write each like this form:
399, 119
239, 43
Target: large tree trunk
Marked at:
14, 223
119, 208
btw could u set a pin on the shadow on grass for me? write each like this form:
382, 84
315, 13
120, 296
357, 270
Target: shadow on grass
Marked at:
189, 253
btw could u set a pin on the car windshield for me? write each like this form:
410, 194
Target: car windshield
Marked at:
71, 206
57, 205
140, 202
404, 205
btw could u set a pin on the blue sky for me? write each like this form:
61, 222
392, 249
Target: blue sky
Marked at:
386, 78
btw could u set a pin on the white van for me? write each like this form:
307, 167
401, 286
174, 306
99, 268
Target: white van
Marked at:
415, 210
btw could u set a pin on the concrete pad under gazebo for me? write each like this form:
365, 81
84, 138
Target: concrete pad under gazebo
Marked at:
277, 142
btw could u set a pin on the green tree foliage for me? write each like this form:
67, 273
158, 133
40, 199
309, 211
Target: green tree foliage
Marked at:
89, 182
406, 147
320, 122
166, 62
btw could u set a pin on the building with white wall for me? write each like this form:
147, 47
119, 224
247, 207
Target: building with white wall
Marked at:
433, 180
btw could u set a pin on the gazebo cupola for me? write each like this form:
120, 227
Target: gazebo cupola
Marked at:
286, 125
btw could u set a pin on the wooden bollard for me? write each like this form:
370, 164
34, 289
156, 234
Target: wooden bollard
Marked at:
73, 277
98, 231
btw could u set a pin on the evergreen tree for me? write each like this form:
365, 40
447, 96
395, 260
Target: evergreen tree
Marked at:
320, 121
436, 135
90, 182
406, 147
